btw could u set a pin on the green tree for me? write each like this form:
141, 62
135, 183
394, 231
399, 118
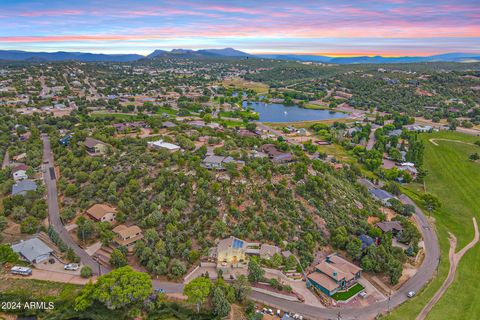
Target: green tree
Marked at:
122, 288
86, 272
177, 268
242, 288
7, 255
29, 225
255, 271
3, 223
276, 260
118, 259
354, 248
221, 305
85, 229
197, 291
430, 202
474, 156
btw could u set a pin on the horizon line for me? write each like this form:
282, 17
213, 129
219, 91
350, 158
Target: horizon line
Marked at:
329, 55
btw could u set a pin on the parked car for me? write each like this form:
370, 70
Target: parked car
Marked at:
160, 290
24, 271
71, 267
410, 294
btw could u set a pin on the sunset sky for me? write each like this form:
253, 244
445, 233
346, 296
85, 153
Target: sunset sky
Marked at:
384, 27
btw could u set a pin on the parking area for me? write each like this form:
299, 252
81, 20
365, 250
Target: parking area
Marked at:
56, 266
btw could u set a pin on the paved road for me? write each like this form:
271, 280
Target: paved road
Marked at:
53, 209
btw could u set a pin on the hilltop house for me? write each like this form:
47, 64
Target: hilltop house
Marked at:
127, 236
95, 147
33, 250
334, 274
102, 213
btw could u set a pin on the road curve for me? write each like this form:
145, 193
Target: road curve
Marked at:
424, 274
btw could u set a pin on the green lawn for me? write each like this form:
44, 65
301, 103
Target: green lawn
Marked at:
456, 181
345, 295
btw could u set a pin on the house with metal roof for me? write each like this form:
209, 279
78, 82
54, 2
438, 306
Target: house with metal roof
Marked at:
160, 144
382, 195
23, 186
33, 250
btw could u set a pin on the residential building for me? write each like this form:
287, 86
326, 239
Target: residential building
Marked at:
23, 186
160, 144
276, 155
127, 236
334, 274
218, 162
95, 147
102, 213
233, 250
20, 172
121, 127
33, 250
267, 251
390, 226
367, 241
382, 196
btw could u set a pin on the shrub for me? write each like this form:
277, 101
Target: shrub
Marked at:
86, 272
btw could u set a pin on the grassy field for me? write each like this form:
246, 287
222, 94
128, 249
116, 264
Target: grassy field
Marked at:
456, 181
307, 123
239, 83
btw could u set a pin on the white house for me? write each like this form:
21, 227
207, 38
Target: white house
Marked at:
160, 144
20, 172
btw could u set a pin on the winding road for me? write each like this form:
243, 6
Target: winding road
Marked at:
424, 274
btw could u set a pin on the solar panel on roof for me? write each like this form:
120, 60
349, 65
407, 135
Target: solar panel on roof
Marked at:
237, 243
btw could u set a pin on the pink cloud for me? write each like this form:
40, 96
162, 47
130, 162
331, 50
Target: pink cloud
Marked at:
41, 13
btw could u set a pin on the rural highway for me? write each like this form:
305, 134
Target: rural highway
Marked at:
424, 274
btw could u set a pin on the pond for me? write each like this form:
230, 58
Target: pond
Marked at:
275, 112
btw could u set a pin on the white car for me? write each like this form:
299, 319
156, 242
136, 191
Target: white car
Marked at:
410, 294
71, 267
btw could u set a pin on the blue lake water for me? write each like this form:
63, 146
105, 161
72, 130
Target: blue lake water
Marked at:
275, 112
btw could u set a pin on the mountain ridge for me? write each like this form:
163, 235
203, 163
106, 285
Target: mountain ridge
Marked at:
18, 55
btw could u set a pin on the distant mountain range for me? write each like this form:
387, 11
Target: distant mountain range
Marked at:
14, 55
